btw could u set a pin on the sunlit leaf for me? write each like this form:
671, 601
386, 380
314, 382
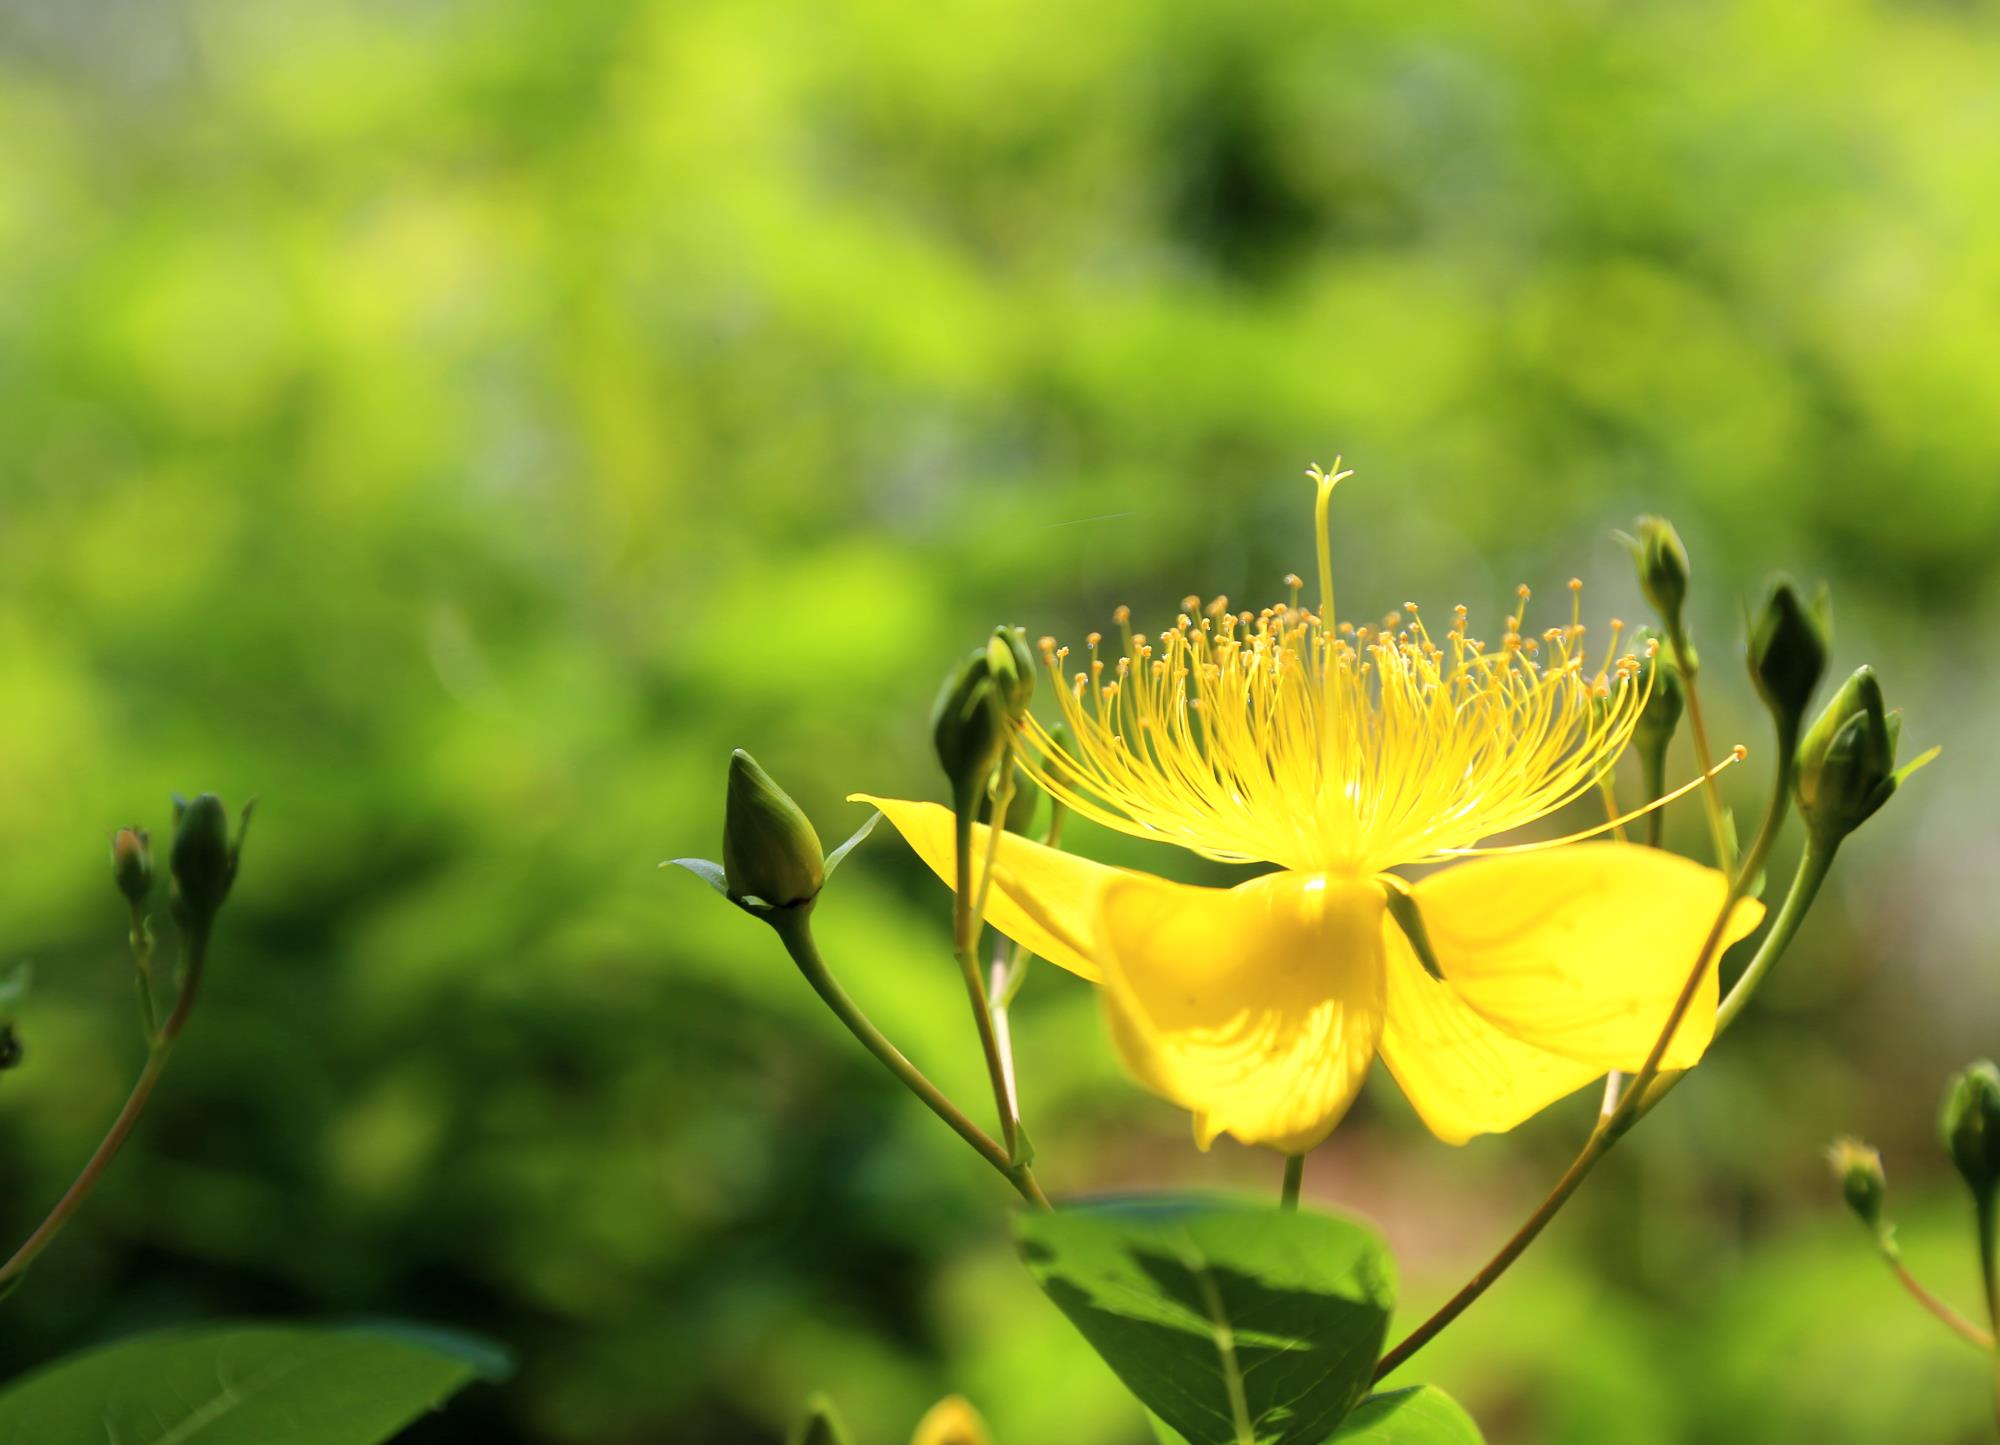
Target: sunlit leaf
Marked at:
1421, 1415
1235, 1323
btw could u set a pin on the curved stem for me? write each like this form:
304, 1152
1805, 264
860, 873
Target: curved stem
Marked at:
1814, 864
1601, 1139
196, 945
968, 912
1957, 1323
795, 930
1295, 1170
1638, 1097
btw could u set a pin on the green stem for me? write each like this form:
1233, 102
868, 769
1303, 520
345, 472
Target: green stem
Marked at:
1814, 864
1989, 1274
1653, 763
1001, 985
1638, 1096
196, 945
1704, 756
794, 929
141, 938
1295, 1170
967, 916
1953, 1320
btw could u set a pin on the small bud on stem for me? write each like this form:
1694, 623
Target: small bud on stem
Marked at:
769, 849
1788, 649
132, 864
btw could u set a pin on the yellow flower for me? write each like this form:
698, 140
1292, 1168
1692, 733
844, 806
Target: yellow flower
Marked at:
951, 1421
1339, 754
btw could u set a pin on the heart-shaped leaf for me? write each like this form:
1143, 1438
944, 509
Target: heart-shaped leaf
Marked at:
1235, 1323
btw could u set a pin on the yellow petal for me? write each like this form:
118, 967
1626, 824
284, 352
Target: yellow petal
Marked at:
1582, 950
1041, 897
1463, 1075
951, 1421
1256, 1008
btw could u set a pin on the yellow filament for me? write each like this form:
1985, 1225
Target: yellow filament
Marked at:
1284, 735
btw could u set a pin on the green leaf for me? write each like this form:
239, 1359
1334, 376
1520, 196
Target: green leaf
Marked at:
821, 1425
1235, 1323
1420, 1415
246, 1385
854, 840
707, 870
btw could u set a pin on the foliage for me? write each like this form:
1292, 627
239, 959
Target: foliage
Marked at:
247, 1385
462, 425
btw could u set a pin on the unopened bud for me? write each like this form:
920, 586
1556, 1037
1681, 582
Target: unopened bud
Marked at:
1970, 1125
769, 849
132, 863
1788, 647
969, 725
1663, 568
1013, 669
203, 859
1858, 1170
1847, 760
821, 1425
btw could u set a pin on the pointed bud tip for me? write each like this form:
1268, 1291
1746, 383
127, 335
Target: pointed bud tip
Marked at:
970, 721
1787, 654
1846, 762
1857, 1168
1969, 1124
203, 858
132, 863
769, 849
1662, 563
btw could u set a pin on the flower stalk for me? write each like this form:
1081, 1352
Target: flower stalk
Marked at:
794, 929
1638, 1097
195, 958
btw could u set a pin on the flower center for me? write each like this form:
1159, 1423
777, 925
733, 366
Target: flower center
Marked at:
1288, 736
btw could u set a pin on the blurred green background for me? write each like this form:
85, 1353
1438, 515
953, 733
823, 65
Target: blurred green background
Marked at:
461, 424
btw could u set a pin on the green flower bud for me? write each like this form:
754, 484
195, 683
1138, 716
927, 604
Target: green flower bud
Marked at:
132, 863
969, 723
1788, 647
1858, 1170
203, 858
1663, 568
1970, 1124
821, 1425
769, 850
1847, 761
1013, 669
